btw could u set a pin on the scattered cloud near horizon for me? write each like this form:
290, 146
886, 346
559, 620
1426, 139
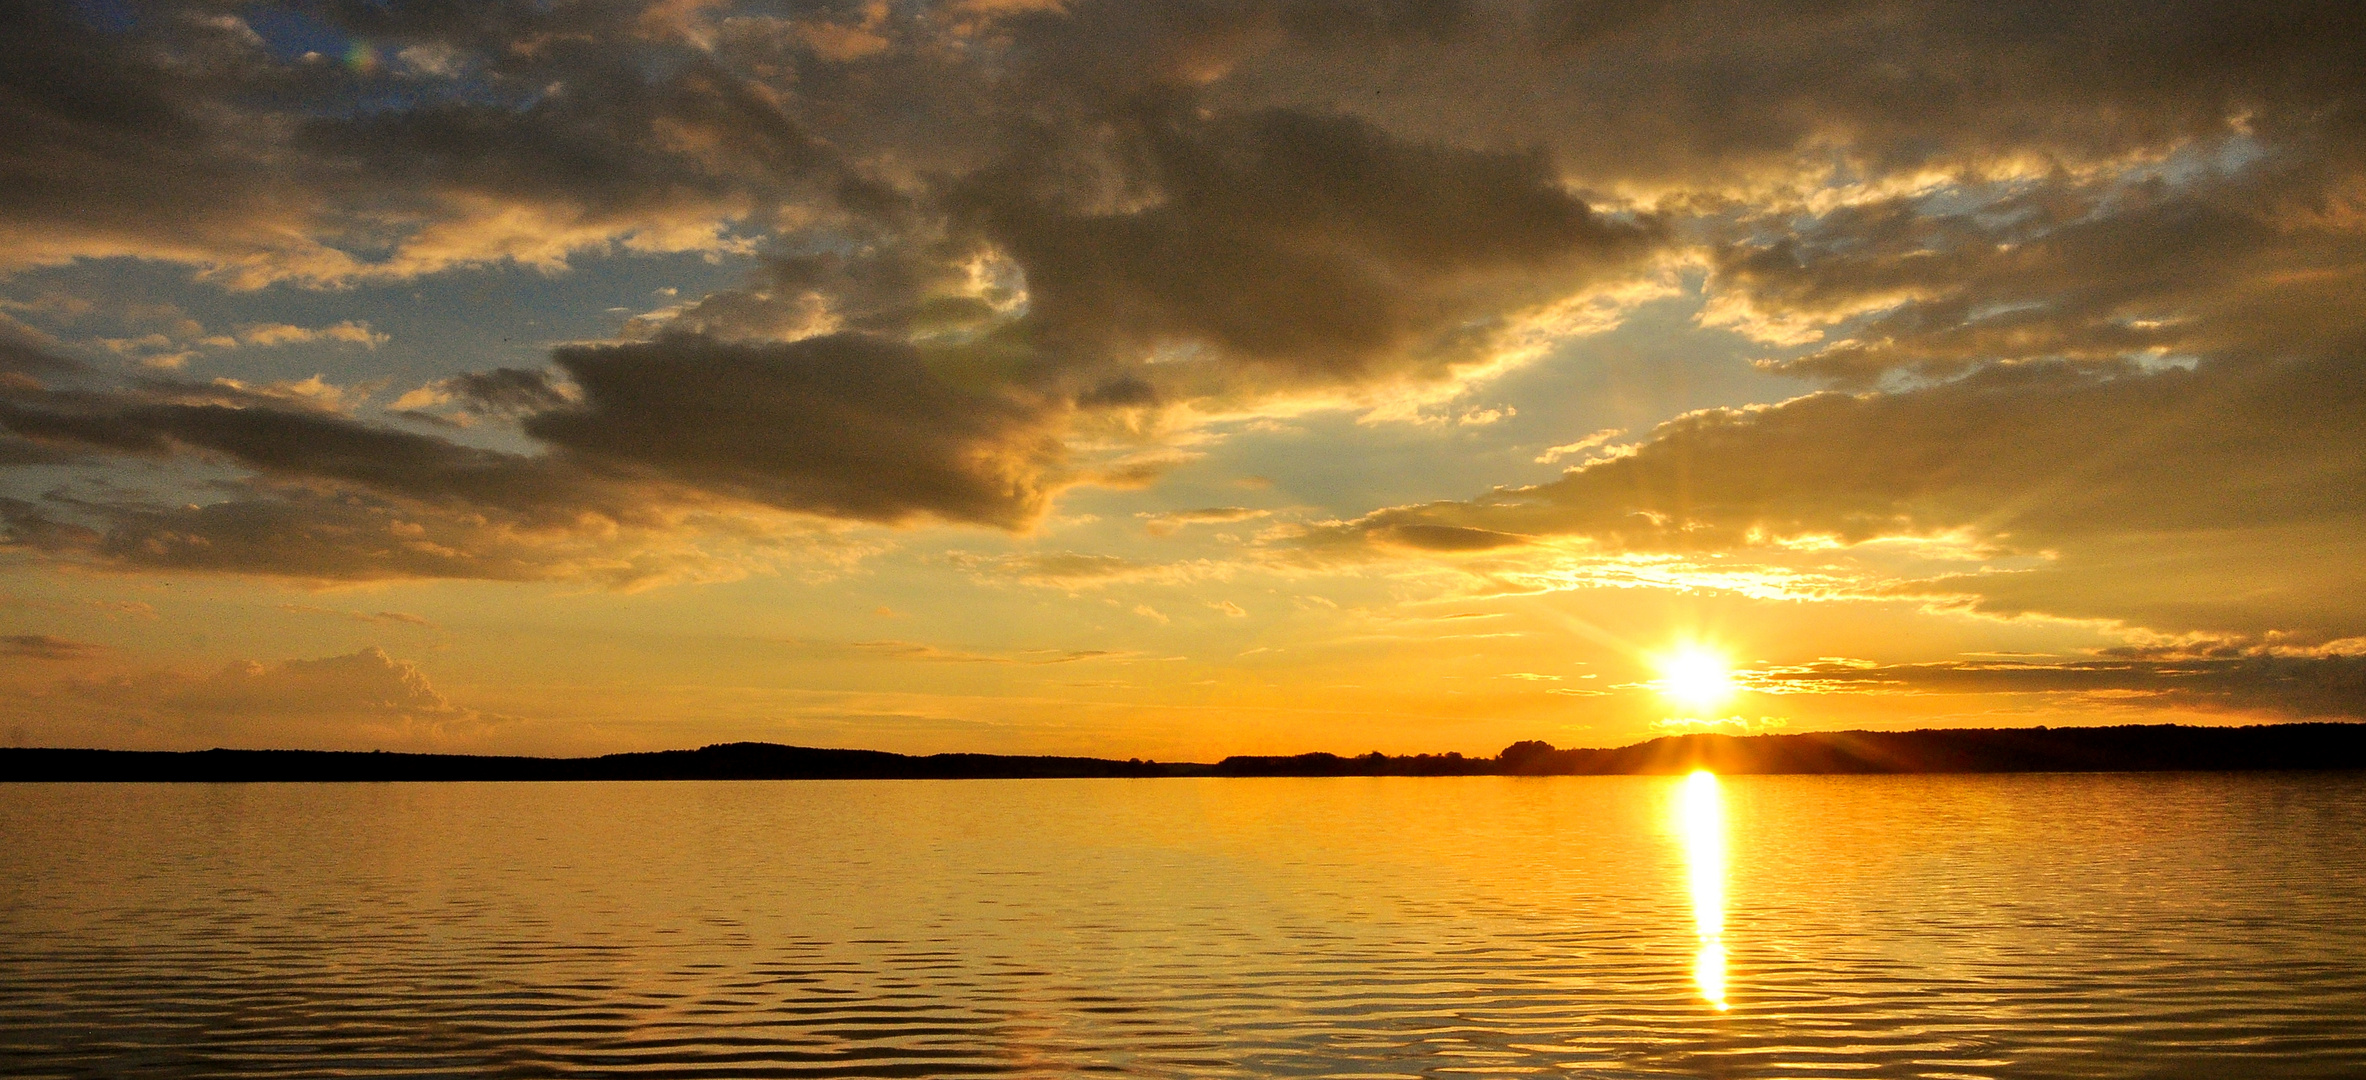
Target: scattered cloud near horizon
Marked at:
361, 700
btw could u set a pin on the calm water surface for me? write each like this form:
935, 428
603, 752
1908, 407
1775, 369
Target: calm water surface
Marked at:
2037, 926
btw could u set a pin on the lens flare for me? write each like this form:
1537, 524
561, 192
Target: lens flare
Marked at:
1697, 677
1700, 818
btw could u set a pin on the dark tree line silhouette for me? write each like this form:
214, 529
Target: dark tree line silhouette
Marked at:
2132, 748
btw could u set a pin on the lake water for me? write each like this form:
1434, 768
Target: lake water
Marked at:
2035, 926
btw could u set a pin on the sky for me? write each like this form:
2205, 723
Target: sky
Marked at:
1178, 379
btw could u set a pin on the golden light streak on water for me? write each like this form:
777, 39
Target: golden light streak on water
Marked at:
1700, 818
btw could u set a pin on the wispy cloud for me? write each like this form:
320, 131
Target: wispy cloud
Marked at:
1167, 523
45, 647
378, 618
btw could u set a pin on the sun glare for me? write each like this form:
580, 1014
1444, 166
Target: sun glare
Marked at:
1700, 818
1696, 677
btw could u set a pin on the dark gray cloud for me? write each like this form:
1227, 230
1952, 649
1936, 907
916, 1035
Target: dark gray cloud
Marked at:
2118, 319
313, 531
1302, 247
45, 647
668, 436
918, 287
16, 451
1702, 93
845, 425
29, 354
1271, 251
2219, 265
980, 225
182, 132
261, 432
529, 131
2213, 499
504, 392
2298, 686
298, 532
108, 147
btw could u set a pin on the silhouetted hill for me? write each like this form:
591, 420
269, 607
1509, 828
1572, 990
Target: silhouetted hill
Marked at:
728, 761
2106, 749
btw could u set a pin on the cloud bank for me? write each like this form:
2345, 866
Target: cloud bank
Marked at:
2073, 287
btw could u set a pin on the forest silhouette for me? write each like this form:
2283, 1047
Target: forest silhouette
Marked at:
2130, 748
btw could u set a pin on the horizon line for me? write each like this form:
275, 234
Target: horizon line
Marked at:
2307, 745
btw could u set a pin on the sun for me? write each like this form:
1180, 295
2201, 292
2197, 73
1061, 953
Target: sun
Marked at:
1696, 676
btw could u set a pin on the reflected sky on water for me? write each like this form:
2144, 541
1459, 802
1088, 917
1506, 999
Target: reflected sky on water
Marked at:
2014, 926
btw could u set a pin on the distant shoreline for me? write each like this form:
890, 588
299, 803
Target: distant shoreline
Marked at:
2132, 748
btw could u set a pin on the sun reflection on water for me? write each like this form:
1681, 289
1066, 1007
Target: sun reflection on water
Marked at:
1700, 818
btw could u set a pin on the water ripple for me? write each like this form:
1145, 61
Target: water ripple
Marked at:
1890, 927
